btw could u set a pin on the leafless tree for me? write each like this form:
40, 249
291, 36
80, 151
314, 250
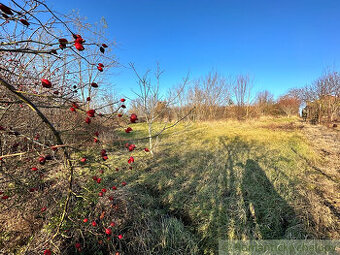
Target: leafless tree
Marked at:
209, 95
152, 105
242, 94
264, 100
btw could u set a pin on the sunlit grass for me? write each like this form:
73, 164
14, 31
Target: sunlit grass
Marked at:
217, 180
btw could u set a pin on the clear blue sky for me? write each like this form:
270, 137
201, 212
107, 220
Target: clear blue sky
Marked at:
281, 43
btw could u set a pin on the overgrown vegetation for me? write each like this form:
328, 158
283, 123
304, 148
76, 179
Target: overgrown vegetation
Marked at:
80, 175
223, 180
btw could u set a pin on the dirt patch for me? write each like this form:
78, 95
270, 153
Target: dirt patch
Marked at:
292, 126
326, 141
325, 173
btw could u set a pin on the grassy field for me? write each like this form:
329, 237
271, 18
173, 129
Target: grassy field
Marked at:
216, 181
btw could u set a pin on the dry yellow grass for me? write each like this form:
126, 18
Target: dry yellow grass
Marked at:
239, 180
222, 180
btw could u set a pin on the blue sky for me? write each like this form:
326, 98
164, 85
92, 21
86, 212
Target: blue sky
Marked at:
281, 44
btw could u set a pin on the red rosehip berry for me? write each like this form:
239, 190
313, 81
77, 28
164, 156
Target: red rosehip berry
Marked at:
79, 46
42, 160
91, 113
132, 147
88, 120
131, 160
7, 10
76, 36
95, 85
47, 252
25, 22
46, 83
78, 246
63, 40
128, 130
133, 118
79, 40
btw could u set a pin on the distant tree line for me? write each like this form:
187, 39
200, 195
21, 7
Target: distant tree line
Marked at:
321, 98
216, 97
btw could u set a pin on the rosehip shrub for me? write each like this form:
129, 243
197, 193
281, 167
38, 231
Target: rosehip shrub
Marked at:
51, 118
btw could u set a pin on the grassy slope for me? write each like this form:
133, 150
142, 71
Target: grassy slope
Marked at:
218, 180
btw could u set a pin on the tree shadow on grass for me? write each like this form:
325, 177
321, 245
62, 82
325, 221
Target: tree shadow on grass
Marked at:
224, 193
265, 213
268, 214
